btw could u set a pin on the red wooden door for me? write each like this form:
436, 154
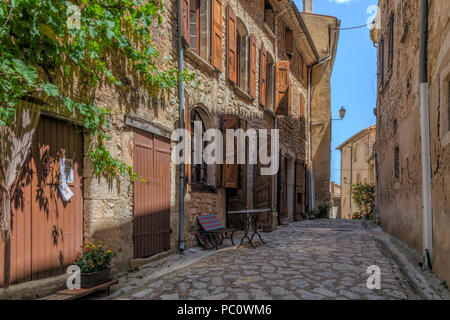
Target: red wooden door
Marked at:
46, 232
151, 224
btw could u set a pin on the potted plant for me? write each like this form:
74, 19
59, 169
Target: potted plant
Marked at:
313, 214
324, 210
94, 262
357, 216
364, 197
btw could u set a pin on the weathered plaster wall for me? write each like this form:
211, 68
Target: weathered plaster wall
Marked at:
356, 168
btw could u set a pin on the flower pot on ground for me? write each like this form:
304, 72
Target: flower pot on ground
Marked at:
324, 210
94, 262
89, 280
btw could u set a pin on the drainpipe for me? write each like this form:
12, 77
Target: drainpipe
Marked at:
427, 227
181, 126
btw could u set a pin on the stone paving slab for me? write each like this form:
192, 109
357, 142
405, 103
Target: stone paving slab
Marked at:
309, 260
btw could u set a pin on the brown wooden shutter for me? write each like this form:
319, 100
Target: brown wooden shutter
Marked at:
300, 182
185, 10
231, 46
289, 41
187, 126
252, 76
230, 172
263, 76
216, 41
302, 105
282, 88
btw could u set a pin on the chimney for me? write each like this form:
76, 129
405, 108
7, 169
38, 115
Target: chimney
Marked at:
308, 6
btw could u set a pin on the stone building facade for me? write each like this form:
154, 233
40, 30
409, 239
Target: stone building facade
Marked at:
254, 63
398, 125
357, 166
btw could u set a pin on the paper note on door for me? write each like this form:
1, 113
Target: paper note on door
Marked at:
66, 169
65, 192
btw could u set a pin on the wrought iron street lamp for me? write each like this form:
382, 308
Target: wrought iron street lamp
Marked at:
342, 112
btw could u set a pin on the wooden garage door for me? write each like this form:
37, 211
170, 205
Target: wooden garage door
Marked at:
151, 223
46, 232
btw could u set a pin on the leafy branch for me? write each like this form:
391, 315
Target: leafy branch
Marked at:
45, 40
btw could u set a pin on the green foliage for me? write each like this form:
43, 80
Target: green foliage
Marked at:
43, 39
364, 196
313, 213
357, 216
93, 258
324, 208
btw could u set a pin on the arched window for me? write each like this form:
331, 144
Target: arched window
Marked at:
202, 174
242, 56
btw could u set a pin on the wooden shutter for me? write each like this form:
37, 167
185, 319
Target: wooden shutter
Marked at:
231, 46
302, 105
391, 44
187, 126
282, 88
185, 11
300, 182
216, 41
252, 76
289, 41
263, 76
230, 172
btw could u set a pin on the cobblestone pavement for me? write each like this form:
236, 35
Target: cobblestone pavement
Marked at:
310, 260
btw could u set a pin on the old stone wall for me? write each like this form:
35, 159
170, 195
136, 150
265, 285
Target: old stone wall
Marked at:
398, 125
439, 84
108, 201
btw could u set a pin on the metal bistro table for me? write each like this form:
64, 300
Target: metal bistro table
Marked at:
251, 217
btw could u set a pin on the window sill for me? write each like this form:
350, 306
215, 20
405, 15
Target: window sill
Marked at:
269, 30
194, 58
241, 93
202, 188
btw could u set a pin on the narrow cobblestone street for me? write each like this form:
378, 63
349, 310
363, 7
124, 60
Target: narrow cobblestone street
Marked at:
309, 260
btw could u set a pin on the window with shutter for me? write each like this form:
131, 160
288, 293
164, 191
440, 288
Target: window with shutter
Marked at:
282, 88
185, 17
263, 76
269, 15
289, 42
232, 47
194, 26
391, 44
187, 126
230, 172
252, 76
216, 41
381, 69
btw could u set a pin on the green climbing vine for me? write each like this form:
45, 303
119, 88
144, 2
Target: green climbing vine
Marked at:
43, 41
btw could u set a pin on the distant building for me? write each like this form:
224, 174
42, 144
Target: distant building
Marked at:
335, 192
357, 166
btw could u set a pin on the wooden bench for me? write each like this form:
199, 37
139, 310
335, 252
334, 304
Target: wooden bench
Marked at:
211, 226
73, 294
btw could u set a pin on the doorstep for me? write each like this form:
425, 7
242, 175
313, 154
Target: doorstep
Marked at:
35, 289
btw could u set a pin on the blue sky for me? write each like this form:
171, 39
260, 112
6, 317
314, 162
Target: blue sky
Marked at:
353, 84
